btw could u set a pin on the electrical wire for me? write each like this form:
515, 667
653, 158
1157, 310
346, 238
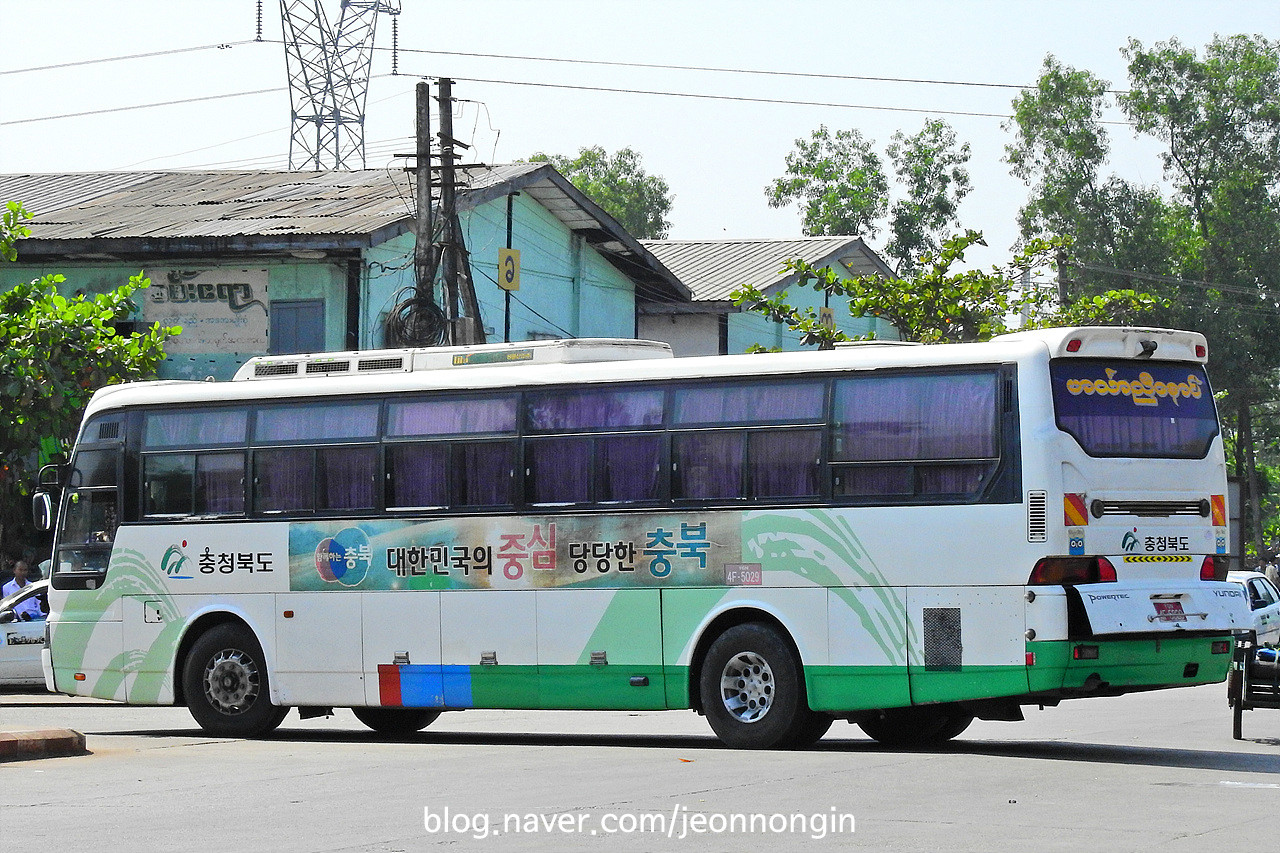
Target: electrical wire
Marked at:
743, 99
220, 46
179, 102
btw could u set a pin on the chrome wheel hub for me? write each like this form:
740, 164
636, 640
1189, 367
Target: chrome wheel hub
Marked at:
746, 686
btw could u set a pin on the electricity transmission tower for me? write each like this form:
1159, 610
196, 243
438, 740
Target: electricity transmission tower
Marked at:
328, 69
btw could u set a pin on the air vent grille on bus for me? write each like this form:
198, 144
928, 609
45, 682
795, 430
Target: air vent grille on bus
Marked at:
108, 430
396, 363
329, 367
1037, 516
275, 369
1149, 509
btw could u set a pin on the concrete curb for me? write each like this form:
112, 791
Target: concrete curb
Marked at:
40, 743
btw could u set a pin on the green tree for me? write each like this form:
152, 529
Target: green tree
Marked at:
838, 179
932, 166
937, 303
57, 352
619, 184
840, 183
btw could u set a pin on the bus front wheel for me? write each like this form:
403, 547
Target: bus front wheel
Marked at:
396, 722
225, 683
752, 690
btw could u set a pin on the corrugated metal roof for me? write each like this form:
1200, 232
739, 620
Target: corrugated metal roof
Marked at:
102, 212
713, 269
209, 204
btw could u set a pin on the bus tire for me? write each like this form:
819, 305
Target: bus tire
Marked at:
225, 683
917, 725
396, 722
809, 732
752, 690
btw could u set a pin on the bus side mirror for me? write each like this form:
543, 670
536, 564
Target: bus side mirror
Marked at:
51, 475
6, 617
42, 511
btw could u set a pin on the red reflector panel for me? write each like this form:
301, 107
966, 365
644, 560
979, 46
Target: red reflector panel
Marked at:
1201, 350
1218, 509
1073, 345
1074, 513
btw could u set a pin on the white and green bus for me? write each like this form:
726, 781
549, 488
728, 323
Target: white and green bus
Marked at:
904, 537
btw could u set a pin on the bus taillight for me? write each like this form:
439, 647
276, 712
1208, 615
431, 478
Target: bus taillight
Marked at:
1064, 570
1212, 570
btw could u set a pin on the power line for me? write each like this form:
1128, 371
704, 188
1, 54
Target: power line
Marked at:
220, 46
745, 99
1167, 279
178, 102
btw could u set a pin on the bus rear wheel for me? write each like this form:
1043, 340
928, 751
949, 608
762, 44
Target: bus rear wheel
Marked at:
917, 726
225, 683
396, 722
752, 690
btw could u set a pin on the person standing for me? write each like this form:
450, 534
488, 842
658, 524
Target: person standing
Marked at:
28, 610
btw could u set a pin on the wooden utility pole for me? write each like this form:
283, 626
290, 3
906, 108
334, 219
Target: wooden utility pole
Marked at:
424, 271
461, 307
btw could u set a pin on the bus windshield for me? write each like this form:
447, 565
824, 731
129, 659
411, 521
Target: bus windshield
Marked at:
1119, 408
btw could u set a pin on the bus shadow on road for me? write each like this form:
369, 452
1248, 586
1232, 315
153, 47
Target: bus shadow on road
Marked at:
1103, 753
1095, 753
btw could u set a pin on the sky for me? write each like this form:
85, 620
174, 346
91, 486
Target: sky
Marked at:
64, 109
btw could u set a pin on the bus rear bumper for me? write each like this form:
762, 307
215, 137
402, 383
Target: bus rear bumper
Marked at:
1106, 666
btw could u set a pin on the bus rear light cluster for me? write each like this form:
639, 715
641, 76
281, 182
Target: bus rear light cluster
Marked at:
1085, 653
1055, 571
1073, 345
1213, 570
1220, 647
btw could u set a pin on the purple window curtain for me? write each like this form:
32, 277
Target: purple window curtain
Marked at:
784, 464
793, 401
419, 475
219, 484
315, 422
284, 480
345, 477
485, 473
595, 408
1140, 436
916, 417
631, 465
559, 470
451, 416
195, 428
708, 465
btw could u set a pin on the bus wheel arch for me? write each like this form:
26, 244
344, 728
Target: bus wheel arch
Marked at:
225, 679
748, 679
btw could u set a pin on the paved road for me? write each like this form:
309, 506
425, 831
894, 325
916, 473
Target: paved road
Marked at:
1135, 773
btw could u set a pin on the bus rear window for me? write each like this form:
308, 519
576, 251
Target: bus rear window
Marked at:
1144, 409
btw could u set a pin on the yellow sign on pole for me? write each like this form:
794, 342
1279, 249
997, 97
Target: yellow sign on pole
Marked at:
826, 318
509, 269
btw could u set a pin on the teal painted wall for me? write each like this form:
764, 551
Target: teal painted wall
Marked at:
567, 288
747, 328
287, 279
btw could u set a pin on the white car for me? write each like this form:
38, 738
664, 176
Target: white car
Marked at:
1263, 600
22, 640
